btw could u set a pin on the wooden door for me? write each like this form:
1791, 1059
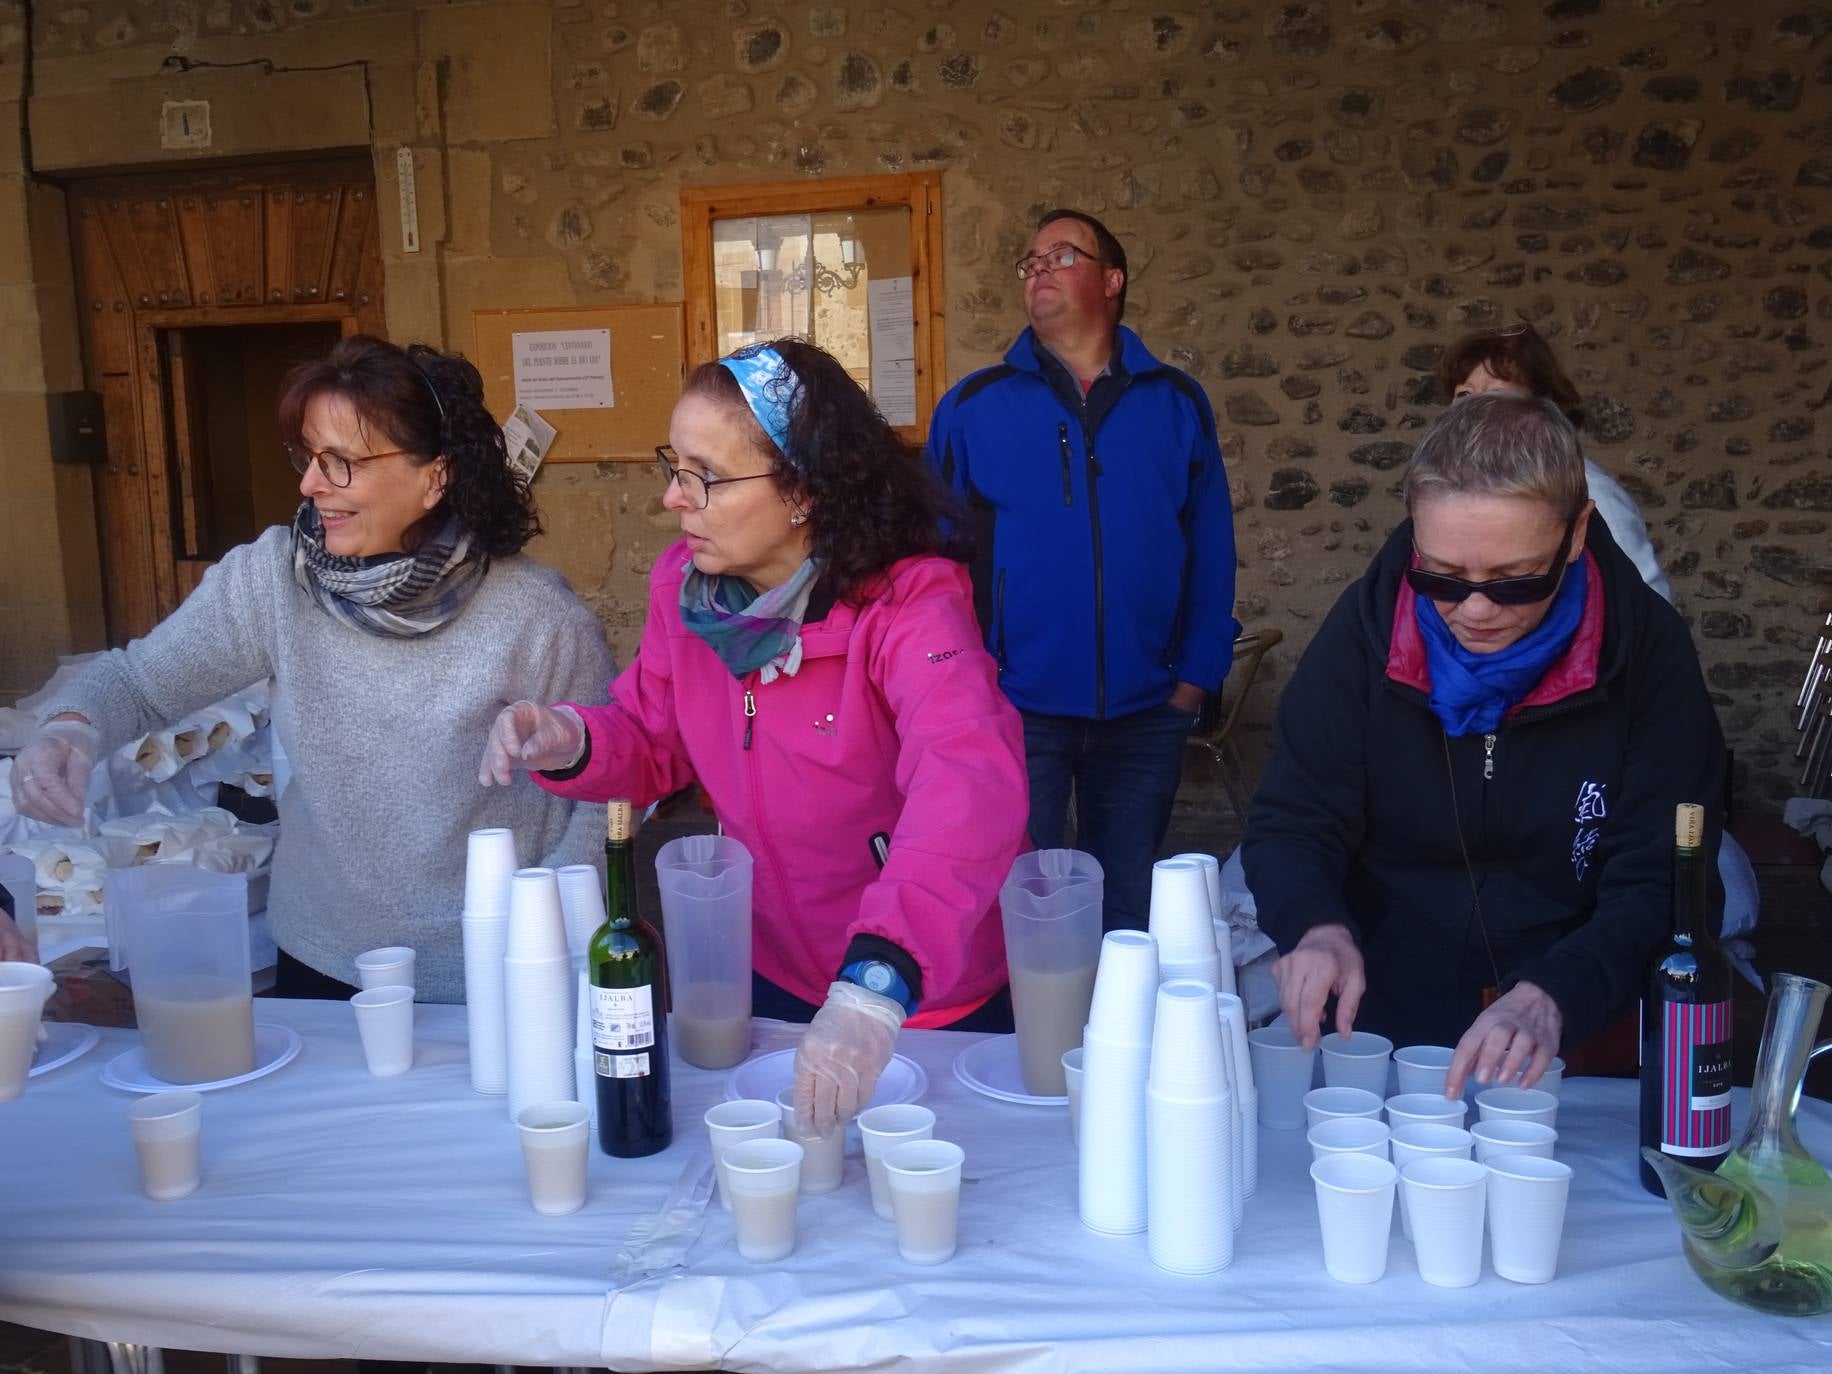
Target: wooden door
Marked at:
165, 252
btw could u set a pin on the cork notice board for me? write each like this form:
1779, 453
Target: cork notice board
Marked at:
648, 349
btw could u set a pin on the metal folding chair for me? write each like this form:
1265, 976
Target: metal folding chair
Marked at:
1218, 743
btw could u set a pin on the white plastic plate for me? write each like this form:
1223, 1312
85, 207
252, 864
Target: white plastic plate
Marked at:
274, 1048
991, 1069
768, 1074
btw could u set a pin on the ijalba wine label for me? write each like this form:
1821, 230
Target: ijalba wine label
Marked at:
1695, 1079
623, 1018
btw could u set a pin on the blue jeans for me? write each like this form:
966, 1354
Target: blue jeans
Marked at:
1124, 773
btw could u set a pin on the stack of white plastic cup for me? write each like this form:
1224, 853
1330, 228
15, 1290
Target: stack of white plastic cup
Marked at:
1182, 921
1115, 1063
1358, 1062
539, 995
1445, 1200
489, 860
1246, 1096
1355, 1207
581, 905
1224, 938
1526, 1213
585, 1072
1425, 1140
1282, 1071
1189, 1130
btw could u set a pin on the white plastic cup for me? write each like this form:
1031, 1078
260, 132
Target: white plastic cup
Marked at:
1125, 987
1249, 1140
1224, 937
924, 1178
1423, 1068
1357, 1135
1233, 1014
1355, 1208
1425, 1140
1410, 1109
1071, 1077
1445, 1204
1527, 1195
1495, 1138
763, 1176
384, 1021
556, 1147
1518, 1104
1282, 1072
1188, 1058
167, 1129
1326, 1104
823, 1156
581, 905
1358, 1062
392, 967
1551, 1081
731, 1123
1189, 1181
537, 929
881, 1128
486, 1018
1110, 1172
489, 860
24, 989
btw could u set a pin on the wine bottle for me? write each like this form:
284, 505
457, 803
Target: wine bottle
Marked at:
629, 1029
1685, 1021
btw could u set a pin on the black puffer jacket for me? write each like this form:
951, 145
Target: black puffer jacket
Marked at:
1566, 813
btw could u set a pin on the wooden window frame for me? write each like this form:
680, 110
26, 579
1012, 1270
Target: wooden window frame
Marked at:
920, 192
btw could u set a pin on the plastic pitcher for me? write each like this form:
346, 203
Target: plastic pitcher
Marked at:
184, 932
706, 925
1051, 905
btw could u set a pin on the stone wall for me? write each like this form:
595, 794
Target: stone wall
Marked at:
1317, 198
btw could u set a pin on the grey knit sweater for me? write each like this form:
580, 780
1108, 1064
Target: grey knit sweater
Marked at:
383, 737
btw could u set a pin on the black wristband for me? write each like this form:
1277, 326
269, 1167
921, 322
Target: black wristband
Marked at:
578, 766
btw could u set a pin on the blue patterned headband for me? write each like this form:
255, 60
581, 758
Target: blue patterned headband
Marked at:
769, 387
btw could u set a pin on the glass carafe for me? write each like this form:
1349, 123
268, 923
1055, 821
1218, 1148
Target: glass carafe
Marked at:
1759, 1230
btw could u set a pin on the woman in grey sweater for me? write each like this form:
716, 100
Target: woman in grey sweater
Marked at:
396, 617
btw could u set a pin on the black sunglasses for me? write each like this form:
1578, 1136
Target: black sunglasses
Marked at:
1503, 591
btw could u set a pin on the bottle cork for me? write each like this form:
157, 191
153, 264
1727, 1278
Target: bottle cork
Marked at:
617, 821
1689, 825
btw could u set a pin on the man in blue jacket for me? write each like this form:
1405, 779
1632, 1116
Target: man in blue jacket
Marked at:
1104, 574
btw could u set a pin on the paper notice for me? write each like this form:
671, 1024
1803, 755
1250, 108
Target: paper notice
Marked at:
527, 437
563, 369
890, 302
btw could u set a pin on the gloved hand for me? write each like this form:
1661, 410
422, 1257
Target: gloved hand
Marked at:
531, 736
847, 1046
51, 774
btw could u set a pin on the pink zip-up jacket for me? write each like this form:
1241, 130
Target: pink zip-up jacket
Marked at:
894, 723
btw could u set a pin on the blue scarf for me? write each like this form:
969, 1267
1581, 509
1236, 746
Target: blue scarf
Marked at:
1471, 693
750, 633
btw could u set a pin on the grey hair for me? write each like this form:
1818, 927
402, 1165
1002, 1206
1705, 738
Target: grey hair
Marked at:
1496, 444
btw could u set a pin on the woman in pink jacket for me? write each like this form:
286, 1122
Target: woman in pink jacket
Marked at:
812, 659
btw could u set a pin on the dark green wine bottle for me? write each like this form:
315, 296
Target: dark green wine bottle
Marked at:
629, 1029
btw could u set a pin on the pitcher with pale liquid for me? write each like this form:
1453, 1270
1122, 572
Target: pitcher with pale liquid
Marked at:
184, 932
1759, 1230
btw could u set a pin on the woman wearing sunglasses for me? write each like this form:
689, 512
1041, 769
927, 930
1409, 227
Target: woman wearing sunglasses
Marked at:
1464, 832
395, 616
812, 659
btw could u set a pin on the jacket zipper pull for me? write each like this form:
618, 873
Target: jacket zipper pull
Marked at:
750, 714
1488, 757
1068, 491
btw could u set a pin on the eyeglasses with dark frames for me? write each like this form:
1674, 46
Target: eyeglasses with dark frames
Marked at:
1503, 591
1058, 259
697, 489
336, 469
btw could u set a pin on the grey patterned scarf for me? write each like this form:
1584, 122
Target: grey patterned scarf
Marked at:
396, 595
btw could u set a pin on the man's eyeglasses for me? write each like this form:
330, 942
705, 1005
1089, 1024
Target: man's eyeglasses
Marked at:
697, 489
1503, 591
1058, 259
336, 468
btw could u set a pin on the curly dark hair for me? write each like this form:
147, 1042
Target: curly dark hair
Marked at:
431, 405
1516, 353
871, 498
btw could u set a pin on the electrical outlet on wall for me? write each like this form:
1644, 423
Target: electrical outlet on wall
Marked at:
184, 124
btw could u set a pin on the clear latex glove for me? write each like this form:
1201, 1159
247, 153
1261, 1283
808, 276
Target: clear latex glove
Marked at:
51, 774
528, 735
847, 1046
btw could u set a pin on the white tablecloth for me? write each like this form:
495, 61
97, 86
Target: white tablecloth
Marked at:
349, 1216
